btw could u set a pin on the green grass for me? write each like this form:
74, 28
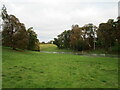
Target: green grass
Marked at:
52, 48
27, 69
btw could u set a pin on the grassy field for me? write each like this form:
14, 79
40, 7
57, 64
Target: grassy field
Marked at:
51, 48
27, 69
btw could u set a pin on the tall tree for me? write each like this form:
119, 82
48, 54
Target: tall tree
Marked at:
14, 33
6, 33
89, 34
106, 34
76, 38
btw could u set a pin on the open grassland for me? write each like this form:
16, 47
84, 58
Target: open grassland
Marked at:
27, 69
52, 48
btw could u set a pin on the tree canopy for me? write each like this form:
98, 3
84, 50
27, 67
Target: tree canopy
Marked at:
88, 37
15, 35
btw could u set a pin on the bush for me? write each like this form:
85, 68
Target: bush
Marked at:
115, 49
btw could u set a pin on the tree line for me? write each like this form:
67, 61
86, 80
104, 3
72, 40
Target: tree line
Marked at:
90, 37
15, 35
87, 37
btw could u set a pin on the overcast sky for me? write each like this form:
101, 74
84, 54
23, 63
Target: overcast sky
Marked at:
51, 17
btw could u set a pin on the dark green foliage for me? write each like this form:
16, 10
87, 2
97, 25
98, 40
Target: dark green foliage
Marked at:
63, 40
90, 37
20, 39
76, 38
6, 33
105, 34
14, 33
66, 40
33, 42
115, 49
118, 30
108, 34
43, 42
56, 42
79, 38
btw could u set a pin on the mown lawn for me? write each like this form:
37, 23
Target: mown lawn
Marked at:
27, 69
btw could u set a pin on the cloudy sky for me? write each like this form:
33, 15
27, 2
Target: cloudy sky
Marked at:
51, 17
